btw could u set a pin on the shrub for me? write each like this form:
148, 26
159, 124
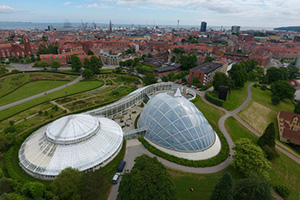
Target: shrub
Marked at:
263, 87
40, 112
213, 100
8, 164
255, 85
10, 129
270, 152
283, 191
275, 100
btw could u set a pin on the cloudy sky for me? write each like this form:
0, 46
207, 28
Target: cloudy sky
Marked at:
257, 13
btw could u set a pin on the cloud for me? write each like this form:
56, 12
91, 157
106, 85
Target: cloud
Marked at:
99, 6
67, 3
79, 6
6, 9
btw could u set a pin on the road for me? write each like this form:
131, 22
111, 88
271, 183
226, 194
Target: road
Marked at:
39, 95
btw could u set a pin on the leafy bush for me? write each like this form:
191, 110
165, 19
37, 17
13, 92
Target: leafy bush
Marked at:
270, 152
283, 191
213, 99
8, 164
275, 100
263, 87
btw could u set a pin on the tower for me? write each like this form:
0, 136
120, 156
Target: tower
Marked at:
178, 25
235, 29
203, 27
27, 45
110, 26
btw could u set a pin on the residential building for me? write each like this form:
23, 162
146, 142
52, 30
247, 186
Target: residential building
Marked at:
235, 29
168, 68
110, 59
289, 127
298, 61
205, 72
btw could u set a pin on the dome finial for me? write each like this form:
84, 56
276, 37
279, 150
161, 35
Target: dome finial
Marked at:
177, 93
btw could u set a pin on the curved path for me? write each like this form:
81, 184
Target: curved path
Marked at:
39, 95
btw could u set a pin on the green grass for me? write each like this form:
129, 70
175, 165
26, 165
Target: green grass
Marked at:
212, 114
73, 89
284, 170
260, 111
236, 97
30, 89
203, 184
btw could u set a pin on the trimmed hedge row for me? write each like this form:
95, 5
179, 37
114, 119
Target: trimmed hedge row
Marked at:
283, 191
8, 164
213, 99
223, 154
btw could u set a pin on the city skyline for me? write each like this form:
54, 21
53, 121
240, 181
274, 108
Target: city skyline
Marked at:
268, 13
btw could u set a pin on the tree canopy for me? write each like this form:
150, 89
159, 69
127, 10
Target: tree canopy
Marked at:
67, 185
221, 78
179, 50
188, 61
275, 74
148, 180
283, 90
223, 189
95, 64
252, 188
55, 64
76, 63
249, 158
297, 108
87, 74
268, 137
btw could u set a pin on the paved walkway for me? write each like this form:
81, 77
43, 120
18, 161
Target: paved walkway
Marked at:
39, 95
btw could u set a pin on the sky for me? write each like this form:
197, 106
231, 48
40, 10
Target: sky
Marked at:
254, 13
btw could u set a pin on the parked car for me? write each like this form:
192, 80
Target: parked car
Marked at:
116, 178
180, 82
121, 166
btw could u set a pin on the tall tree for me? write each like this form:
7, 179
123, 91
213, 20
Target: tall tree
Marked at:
55, 65
275, 74
86, 63
252, 188
150, 79
67, 185
268, 137
147, 180
293, 72
95, 64
34, 190
239, 78
90, 52
283, 90
221, 78
76, 63
87, 74
249, 158
223, 189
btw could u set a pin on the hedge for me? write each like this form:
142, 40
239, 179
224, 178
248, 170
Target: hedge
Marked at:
223, 154
213, 99
283, 191
8, 164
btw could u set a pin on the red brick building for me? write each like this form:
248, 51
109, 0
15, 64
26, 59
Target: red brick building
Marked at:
205, 72
63, 58
289, 127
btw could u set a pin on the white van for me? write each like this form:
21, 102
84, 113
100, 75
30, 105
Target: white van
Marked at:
116, 178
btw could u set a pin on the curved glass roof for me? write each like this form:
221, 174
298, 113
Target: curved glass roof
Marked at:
91, 144
175, 123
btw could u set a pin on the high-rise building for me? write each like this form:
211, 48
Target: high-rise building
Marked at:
50, 28
203, 27
235, 29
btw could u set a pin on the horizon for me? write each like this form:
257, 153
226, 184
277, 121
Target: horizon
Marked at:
247, 13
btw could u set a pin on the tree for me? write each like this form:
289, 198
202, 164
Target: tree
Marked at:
275, 100
76, 63
252, 188
86, 63
55, 65
188, 62
239, 79
275, 74
249, 158
293, 72
92, 187
223, 189
268, 137
34, 190
283, 90
32, 58
95, 64
297, 108
150, 79
147, 180
179, 51
221, 78
67, 185
208, 59
90, 52
173, 59
87, 74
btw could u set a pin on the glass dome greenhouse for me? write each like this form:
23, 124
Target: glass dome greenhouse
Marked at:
80, 141
173, 122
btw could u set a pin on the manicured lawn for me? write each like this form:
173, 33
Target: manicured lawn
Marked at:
236, 97
30, 89
284, 170
73, 89
212, 114
203, 184
260, 111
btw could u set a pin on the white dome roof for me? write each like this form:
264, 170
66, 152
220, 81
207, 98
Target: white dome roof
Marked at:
78, 141
71, 128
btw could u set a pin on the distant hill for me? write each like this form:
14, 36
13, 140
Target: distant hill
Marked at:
288, 28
